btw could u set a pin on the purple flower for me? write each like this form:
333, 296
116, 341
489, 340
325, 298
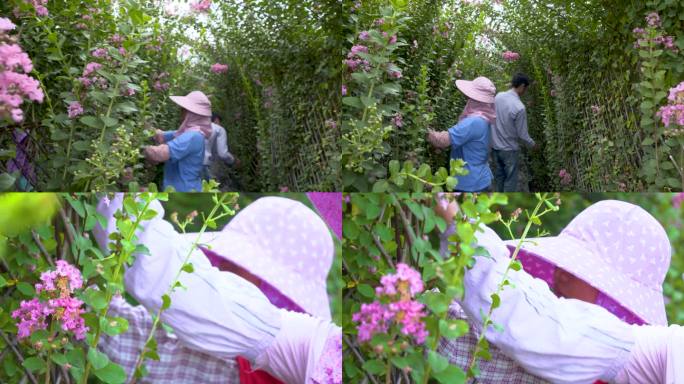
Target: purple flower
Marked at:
75, 109
91, 68
6, 24
511, 56
398, 120
344, 90
653, 19
364, 35
219, 68
100, 53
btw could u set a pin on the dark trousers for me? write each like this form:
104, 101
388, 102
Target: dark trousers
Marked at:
506, 170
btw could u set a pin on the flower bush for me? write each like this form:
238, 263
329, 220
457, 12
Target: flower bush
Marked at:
104, 70
393, 254
599, 75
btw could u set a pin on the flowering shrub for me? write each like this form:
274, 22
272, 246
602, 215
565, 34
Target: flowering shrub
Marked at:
105, 71
15, 83
391, 242
511, 56
57, 285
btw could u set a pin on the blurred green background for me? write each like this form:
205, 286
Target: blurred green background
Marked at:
661, 205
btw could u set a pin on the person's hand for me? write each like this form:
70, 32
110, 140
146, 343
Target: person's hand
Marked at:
159, 136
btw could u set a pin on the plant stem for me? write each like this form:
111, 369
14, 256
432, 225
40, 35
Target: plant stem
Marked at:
171, 288
500, 287
110, 293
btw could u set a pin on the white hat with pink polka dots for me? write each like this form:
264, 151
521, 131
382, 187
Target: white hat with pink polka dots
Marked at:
284, 243
618, 248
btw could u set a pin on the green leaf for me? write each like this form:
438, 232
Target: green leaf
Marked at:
374, 366
59, 358
366, 290
95, 298
437, 361
111, 373
90, 121
26, 288
76, 358
452, 329
97, 359
3, 282
166, 302
451, 375
109, 121
113, 326
34, 364
496, 301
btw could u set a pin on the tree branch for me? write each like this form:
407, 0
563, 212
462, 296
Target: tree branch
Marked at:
19, 356
358, 356
40, 245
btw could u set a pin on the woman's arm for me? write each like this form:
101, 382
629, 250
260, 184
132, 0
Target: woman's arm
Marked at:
214, 312
439, 139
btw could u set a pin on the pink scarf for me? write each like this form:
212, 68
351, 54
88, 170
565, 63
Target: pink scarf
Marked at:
478, 108
195, 122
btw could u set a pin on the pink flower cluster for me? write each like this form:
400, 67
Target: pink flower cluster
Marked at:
652, 35
398, 120
159, 84
396, 307
201, 6
15, 84
89, 76
674, 111
677, 200
59, 285
565, 177
75, 109
595, 109
219, 68
355, 59
510, 56
39, 6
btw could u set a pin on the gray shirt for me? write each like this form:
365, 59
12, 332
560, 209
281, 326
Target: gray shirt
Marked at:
511, 122
217, 145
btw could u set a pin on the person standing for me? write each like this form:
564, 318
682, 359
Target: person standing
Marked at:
182, 151
469, 139
216, 148
509, 129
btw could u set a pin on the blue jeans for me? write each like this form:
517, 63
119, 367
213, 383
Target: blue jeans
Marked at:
506, 170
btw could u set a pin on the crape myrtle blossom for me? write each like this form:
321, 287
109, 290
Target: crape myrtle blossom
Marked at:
219, 68
201, 6
396, 307
15, 84
58, 286
653, 35
75, 109
673, 113
511, 56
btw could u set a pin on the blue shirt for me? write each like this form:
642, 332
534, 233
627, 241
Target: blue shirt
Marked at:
183, 170
470, 142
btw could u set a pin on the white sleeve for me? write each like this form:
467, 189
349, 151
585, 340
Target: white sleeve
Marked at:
215, 312
560, 340
222, 150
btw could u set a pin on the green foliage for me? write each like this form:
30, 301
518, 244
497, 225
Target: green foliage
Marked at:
279, 98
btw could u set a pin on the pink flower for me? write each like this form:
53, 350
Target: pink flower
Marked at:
393, 39
565, 177
395, 74
510, 56
6, 24
405, 274
201, 6
68, 311
284, 189
17, 115
65, 275
91, 68
677, 93
12, 57
116, 39
31, 315
670, 113
344, 90
330, 123
653, 19
75, 109
677, 200
100, 53
364, 35
355, 50
398, 120
638, 31
122, 51
219, 68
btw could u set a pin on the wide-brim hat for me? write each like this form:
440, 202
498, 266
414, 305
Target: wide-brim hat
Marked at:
614, 246
282, 242
481, 89
195, 102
